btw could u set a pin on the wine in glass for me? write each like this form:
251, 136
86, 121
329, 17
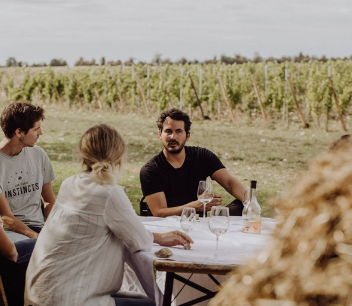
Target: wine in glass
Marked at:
188, 221
219, 222
205, 194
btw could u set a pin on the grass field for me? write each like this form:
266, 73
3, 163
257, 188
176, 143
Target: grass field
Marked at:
269, 153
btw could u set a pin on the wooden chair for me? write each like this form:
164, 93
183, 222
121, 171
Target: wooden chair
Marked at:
144, 210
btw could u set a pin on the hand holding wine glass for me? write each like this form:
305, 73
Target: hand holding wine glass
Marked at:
218, 224
205, 194
188, 221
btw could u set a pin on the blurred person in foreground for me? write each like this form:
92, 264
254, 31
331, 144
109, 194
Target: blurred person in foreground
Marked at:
79, 255
170, 179
25, 172
341, 142
309, 258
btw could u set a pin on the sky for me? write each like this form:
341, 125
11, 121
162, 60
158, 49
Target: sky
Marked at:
36, 31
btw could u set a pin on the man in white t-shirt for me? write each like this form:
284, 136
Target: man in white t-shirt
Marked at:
25, 172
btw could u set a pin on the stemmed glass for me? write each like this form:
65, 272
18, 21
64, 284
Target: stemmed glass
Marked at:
246, 197
246, 200
188, 221
219, 222
205, 193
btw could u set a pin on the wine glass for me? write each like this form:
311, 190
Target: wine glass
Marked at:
218, 224
246, 197
246, 200
205, 194
188, 221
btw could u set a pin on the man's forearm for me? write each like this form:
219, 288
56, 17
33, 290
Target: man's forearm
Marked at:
177, 211
235, 188
15, 225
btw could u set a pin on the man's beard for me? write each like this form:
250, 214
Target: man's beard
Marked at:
173, 151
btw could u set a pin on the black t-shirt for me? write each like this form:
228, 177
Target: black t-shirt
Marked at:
179, 185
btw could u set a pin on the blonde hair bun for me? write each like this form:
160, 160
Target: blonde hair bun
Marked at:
102, 149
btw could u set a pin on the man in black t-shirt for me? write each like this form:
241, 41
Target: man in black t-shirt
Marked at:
170, 179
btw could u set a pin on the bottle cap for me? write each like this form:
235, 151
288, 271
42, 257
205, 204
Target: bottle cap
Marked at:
254, 184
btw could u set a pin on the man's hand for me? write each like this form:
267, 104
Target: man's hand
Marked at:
216, 201
198, 205
11, 222
172, 238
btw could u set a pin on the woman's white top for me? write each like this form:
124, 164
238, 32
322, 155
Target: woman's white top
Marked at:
79, 255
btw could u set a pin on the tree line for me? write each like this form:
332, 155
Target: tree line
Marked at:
307, 92
158, 60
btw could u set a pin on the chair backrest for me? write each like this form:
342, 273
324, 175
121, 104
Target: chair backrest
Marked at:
144, 210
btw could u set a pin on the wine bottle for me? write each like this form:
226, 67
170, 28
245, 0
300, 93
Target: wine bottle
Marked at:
254, 212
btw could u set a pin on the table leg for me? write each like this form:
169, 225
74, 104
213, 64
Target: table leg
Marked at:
169, 284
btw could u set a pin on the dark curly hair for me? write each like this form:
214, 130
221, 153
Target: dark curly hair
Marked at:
174, 114
20, 115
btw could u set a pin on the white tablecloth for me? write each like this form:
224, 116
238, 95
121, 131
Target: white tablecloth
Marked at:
234, 248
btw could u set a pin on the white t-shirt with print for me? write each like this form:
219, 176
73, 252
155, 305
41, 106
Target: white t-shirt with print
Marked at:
21, 180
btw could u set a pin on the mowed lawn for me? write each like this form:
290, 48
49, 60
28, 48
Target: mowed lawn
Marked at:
270, 153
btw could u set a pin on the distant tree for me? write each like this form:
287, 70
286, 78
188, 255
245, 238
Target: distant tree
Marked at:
166, 61
39, 65
284, 59
58, 62
301, 58
315, 58
271, 59
157, 59
11, 62
213, 61
182, 61
117, 63
257, 58
82, 62
102, 61
79, 62
130, 62
239, 59
323, 59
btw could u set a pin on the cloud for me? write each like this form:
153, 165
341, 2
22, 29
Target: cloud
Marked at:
175, 28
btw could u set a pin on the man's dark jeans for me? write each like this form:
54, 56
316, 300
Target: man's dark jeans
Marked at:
13, 278
13, 274
235, 208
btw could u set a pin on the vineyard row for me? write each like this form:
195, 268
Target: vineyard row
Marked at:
269, 89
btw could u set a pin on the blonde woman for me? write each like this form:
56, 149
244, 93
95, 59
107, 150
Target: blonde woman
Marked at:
79, 255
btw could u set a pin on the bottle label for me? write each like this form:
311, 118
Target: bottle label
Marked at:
245, 223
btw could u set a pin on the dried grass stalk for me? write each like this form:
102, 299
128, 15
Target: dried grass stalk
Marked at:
309, 258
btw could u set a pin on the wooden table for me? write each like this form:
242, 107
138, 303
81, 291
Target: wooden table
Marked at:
191, 271
172, 267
